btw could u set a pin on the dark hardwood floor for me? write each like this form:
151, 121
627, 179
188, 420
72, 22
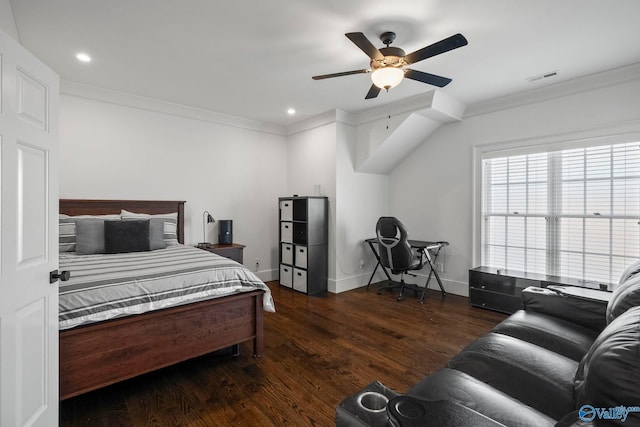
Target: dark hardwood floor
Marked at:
317, 352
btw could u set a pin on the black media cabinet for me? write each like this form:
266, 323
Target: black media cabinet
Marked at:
499, 289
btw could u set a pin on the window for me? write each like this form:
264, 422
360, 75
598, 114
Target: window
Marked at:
572, 213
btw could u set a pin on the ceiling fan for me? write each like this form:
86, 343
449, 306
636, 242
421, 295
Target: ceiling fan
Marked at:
388, 63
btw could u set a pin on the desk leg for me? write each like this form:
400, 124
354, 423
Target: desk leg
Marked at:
435, 273
375, 253
373, 274
432, 270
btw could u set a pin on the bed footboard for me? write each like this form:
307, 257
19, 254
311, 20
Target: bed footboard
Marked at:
101, 354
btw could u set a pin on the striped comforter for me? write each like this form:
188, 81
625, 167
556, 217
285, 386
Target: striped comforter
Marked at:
106, 286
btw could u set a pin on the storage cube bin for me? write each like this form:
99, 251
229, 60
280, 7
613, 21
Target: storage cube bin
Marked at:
286, 275
286, 253
301, 256
300, 280
286, 210
286, 232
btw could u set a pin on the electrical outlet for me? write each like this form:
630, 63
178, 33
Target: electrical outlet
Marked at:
440, 267
361, 263
257, 264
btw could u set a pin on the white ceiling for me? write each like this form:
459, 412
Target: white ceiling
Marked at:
255, 58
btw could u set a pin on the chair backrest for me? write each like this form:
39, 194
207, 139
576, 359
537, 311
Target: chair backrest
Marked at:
393, 244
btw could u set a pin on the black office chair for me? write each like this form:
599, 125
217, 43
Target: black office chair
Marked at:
396, 253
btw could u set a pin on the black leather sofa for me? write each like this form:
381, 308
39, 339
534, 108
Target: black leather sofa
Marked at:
566, 359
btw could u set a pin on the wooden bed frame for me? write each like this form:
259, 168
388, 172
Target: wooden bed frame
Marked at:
104, 353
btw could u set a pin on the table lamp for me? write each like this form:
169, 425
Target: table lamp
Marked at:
206, 219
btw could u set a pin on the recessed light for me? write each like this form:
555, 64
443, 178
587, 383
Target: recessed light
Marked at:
83, 57
291, 111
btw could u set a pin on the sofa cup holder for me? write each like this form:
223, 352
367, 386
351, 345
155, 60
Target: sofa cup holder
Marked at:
373, 401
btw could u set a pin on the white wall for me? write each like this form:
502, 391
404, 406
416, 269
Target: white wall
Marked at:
311, 162
361, 199
432, 190
112, 151
325, 155
239, 173
311, 165
7, 23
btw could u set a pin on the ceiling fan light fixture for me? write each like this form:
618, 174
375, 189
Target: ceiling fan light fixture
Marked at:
387, 66
387, 77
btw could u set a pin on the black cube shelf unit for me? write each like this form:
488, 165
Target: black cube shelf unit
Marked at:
500, 290
304, 235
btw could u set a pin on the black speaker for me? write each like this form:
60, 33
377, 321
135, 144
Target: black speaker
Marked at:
225, 231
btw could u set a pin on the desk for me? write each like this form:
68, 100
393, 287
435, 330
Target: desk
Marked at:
430, 250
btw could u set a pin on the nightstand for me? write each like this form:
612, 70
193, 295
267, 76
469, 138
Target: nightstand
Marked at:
232, 251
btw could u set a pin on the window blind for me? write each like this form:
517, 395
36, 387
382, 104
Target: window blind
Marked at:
572, 213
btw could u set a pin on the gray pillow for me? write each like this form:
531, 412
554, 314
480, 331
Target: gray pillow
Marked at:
156, 234
89, 236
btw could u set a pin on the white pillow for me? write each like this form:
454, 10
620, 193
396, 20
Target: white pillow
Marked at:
67, 229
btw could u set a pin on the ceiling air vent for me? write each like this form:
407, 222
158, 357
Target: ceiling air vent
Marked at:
542, 76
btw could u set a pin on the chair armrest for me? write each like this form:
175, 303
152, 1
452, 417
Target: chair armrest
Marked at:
577, 305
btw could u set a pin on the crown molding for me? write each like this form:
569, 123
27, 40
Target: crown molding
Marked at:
603, 79
435, 105
424, 103
328, 117
96, 93
416, 104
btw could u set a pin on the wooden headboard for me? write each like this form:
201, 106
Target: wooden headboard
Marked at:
105, 207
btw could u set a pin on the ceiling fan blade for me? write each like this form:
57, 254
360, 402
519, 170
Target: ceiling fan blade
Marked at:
431, 79
437, 48
373, 92
365, 45
345, 73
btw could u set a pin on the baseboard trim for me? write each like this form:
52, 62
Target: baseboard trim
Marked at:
350, 283
268, 275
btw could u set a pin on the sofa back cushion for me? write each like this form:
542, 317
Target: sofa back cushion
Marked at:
625, 296
537, 377
609, 374
629, 272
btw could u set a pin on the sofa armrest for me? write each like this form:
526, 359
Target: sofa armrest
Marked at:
572, 419
584, 307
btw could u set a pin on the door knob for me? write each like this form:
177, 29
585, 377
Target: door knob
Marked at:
63, 275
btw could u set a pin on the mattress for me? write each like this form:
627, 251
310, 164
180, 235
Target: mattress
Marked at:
106, 286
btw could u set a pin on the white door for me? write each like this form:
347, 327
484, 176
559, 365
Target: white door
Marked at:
28, 238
